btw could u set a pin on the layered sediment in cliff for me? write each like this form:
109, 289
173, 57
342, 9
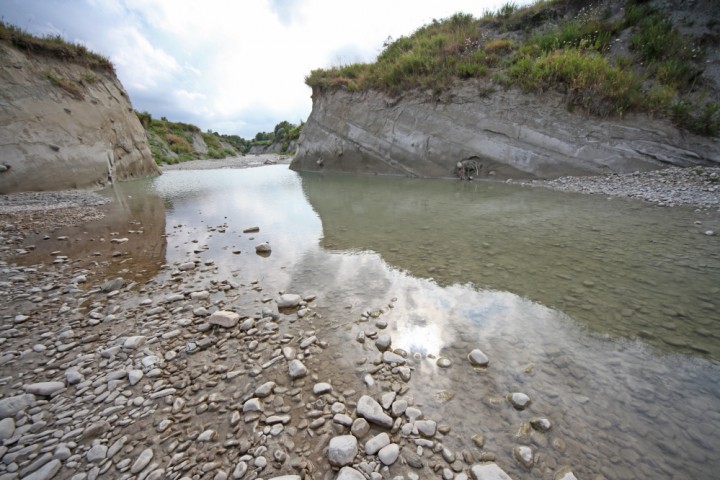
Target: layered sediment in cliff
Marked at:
64, 125
509, 134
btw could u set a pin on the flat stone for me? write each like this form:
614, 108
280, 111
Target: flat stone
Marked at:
44, 388
288, 300
7, 428
488, 471
224, 319
342, 450
379, 441
390, 357
46, 472
134, 342
265, 389
478, 358
9, 407
252, 405
371, 410
142, 461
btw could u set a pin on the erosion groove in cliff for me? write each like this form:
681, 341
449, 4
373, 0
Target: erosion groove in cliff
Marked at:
64, 125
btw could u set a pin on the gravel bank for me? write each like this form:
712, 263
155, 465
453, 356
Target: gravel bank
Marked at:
246, 161
696, 186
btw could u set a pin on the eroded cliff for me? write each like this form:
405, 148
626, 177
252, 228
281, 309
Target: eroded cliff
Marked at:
510, 134
65, 125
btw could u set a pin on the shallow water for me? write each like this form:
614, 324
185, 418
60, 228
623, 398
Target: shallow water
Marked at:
605, 312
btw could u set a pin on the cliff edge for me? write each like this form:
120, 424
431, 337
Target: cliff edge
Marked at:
562, 87
65, 124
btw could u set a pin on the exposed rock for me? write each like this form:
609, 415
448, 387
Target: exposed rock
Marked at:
541, 424
342, 450
488, 471
478, 358
371, 410
510, 134
92, 136
263, 248
389, 454
379, 441
524, 455
224, 318
44, 388
296, 369
9, 407
349, 473
565, 474
519, 400
288, 300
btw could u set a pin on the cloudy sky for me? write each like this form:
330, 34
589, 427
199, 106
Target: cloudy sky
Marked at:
233, 66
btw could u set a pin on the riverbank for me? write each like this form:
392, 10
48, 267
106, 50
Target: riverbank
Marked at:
694, 186
246, 161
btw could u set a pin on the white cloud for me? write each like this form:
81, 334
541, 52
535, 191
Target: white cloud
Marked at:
231, 66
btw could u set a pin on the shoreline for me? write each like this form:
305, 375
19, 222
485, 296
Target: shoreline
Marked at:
246, 161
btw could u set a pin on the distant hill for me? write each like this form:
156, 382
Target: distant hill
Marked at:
175, 142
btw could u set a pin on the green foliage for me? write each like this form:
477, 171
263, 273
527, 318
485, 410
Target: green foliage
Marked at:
54, 46
568, 54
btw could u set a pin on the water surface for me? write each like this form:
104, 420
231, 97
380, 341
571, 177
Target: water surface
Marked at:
605, 312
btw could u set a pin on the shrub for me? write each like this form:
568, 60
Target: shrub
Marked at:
178, 144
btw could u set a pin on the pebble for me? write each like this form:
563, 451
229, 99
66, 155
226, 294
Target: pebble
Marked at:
296, 369
488, 471
142, 461
224, 318
342, 450
519, 400
478, 358
379, 441
371, 410
389, 454
349, 473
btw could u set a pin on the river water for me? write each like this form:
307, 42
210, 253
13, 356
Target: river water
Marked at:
605, 312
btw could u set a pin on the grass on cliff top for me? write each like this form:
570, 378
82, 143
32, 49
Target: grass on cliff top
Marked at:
550, 45
54, 46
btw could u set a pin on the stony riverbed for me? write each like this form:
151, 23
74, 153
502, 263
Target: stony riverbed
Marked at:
196, 374
105, 378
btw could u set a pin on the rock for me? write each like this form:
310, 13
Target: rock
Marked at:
427, 428
342, 450
97, 453
519, 400
44, 388
321, 388
565, 474
443, 362
132, 343
287, 477
379, 441
371, 410
263, 248
360, 427
288, 300
296, 369
46, 472
252, 405
541, 424
265, 389
134, 376
478, 358
390, 357
254, 229
383, 342
224, 319
413, 459
389, 454
142, 461
488, 471
524, 455
7, 428
73, 377
240, 470
349, 473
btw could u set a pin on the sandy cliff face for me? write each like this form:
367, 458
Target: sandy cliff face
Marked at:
63, 126
508, 133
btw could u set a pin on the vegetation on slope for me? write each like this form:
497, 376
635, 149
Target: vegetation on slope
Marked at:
175, 142
555, 45
54, 46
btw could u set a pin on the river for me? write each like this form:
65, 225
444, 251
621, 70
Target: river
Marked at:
605, 312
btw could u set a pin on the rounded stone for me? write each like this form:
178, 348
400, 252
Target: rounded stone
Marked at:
342, 450
478, 358
519, 400
389, 454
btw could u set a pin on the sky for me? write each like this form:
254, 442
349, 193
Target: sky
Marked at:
236, 67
